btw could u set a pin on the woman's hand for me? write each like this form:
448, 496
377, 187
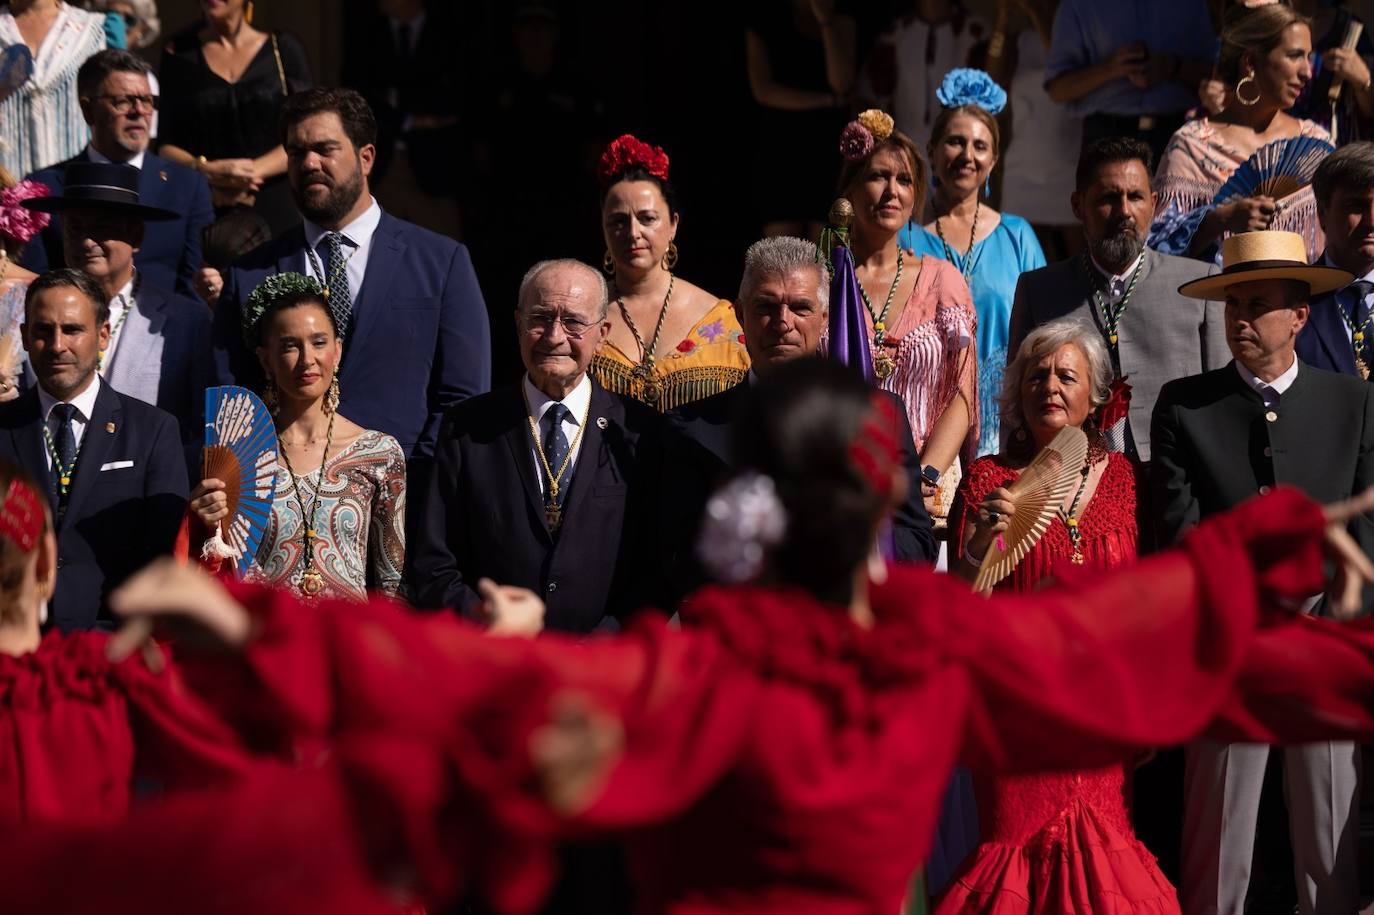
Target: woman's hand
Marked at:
1131, 62
232, 174
1353, 569
168, 591
1250, 214
1348, 65
210, 502
510, 610
994, 517
209, 284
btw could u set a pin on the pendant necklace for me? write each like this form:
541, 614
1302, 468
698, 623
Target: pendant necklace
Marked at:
311, 581
553, 512
1111, 312
966, 264
1358, 336
883, 364
650, 389
119, 324
1070, 517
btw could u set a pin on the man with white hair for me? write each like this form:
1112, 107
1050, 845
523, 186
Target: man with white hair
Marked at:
783, 306
540, 484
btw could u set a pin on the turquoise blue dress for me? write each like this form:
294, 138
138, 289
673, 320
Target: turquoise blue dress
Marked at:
996, 263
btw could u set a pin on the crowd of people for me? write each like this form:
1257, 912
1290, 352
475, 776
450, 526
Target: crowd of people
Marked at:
679, 616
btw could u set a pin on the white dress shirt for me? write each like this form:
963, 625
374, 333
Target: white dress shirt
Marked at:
85, 406
1368, 299
357, 235
578, 402
96, 155
1269, 391
119, 306
1117, 283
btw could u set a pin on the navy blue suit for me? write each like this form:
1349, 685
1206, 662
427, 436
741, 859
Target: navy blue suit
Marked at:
126, 503
698, 456
483, 514
419, 343
1325, 342
170, 255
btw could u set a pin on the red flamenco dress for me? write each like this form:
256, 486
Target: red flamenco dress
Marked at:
1059, 842
76, 729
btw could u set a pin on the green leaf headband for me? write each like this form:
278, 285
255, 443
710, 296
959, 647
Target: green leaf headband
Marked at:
271, 290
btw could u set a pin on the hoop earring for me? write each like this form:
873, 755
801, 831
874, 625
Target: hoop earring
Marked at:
1249, 78
331, 398
670, 256
608, 263
269, 397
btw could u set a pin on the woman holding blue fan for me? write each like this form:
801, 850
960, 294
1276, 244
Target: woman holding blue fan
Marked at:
990, 249
1265, 63
337, 526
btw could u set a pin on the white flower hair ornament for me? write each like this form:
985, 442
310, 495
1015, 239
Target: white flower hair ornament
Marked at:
743, 520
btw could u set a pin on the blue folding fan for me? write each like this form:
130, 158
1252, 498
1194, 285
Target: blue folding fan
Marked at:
241, 450
1276, 170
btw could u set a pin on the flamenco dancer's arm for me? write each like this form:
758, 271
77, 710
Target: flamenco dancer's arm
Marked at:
1145, 656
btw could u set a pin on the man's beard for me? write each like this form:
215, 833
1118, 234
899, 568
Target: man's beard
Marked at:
336, 203
1119, 249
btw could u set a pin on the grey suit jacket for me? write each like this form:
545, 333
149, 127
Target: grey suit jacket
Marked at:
164, 357
1162, 335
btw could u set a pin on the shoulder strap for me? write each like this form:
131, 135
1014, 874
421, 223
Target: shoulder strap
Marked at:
281, 71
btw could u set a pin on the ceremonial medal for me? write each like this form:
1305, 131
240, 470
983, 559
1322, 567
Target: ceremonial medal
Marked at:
650, 388
553, 516
1357, 338
883, 364
312, 582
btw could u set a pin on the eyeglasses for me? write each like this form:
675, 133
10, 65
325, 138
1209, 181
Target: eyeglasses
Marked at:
541, 324
123, 104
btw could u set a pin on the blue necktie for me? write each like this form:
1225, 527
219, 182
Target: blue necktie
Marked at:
64, 443
556, 448
336, 273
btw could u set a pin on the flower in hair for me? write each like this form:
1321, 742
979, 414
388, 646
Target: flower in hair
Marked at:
274, 287
16, 221
967, 86
856, 142
627, 152
878, 122
743, 520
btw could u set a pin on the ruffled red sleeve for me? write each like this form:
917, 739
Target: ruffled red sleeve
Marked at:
1089, 672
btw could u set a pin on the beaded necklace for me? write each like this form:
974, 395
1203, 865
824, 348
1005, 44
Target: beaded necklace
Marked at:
65, 472
1070, 517
1111, 312
649, 386
129, 303
1358, 336
966, 263
883, 364
311, 582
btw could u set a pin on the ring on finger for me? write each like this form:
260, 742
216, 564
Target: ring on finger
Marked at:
994, 517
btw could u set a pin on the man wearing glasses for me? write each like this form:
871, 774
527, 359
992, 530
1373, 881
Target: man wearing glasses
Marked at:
543, 484
118, 104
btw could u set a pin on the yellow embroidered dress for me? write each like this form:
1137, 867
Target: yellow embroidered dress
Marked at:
711, 359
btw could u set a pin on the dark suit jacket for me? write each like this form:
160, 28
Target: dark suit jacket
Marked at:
1324, 343
483, 514
170, 255
1214, 445
126, 503
697, 456
419, 343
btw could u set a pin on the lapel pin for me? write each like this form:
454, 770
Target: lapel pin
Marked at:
601, 423
162, 174
110, 427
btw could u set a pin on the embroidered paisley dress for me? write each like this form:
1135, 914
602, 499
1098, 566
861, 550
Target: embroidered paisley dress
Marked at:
1059, 842
709, 360
360, 522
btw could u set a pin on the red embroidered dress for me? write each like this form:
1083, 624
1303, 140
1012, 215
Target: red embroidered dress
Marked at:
1059, 842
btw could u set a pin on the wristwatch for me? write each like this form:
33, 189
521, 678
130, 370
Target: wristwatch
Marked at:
930, 474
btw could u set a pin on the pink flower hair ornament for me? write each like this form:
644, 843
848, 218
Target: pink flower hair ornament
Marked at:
16, 221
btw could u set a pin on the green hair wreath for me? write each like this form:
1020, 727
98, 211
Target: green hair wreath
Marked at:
268, 292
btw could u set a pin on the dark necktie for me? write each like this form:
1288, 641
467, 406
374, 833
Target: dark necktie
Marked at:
1355, 294
64, 443
556, 449
336, 270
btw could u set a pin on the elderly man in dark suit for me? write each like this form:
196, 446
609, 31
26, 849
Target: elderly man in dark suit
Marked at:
1219, 438
159, 342
117, 480
118, 105
783, 307
1129, 292
542, 485
1339, 335
416, 337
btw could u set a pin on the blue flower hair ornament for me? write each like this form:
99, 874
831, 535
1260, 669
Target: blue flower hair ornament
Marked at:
275, 287
967, 86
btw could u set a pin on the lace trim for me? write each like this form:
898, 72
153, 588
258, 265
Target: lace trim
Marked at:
678, 386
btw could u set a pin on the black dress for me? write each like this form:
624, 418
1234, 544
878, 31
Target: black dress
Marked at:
207, 116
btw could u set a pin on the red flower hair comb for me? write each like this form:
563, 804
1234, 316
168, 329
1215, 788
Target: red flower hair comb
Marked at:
625, 153
875, 451
21, 516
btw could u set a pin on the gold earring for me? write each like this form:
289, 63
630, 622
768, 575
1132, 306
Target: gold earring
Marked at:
331, 399
248, 12
608, 263
269, 397
1249, 78
670, 256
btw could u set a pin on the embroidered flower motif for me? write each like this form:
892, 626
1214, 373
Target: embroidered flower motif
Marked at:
19, 222
967, 86
856, 142
1118, 404
627, 152
713, 330
878, 122
686, 346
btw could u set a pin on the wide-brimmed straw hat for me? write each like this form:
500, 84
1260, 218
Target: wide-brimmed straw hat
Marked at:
1271, 255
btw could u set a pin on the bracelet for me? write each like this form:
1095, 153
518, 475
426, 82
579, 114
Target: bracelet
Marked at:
969, 558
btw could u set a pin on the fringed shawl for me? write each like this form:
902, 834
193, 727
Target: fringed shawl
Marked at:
41, 123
